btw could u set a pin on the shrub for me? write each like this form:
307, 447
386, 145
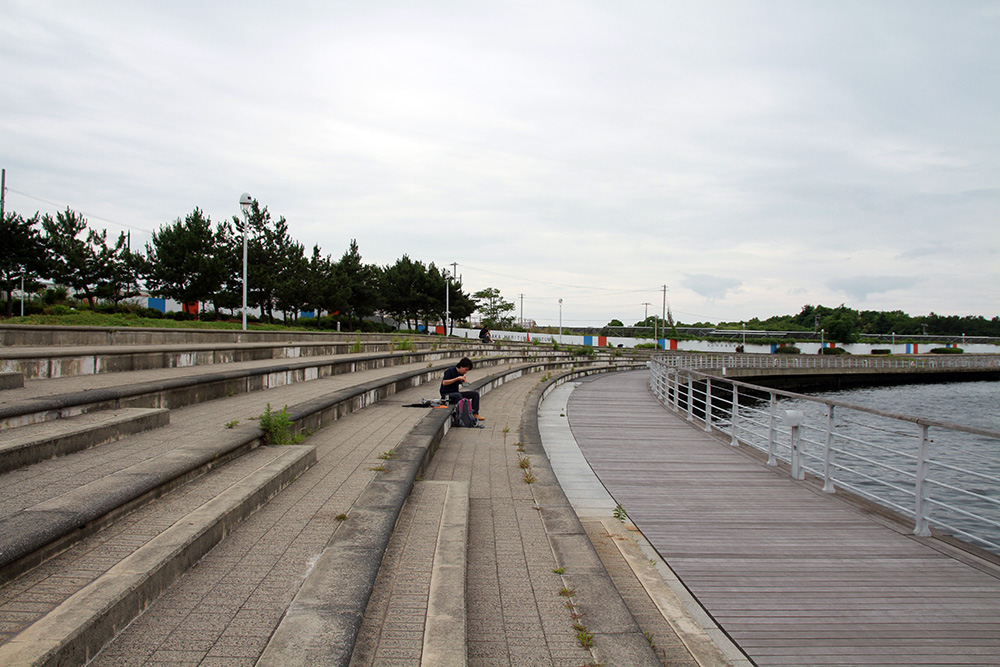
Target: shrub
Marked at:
947, 350
788, 349
881, 351
833, 351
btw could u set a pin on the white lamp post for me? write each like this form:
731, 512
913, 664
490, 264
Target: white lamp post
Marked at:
447, 300
560, 321
245, 202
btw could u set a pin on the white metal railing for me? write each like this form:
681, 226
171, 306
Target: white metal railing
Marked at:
937, 473
714, 361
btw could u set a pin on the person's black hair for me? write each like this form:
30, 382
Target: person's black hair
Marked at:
464, 362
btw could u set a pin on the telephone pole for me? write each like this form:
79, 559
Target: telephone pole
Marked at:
522, 308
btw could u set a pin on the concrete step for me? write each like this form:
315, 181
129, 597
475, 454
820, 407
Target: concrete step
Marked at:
38, 442
173, 388
11, 379
33, 534
23, 335
322, 622
360, 540
75, 629
426, 559
36, 363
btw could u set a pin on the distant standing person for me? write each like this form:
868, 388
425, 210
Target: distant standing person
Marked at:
485, 336
453, 379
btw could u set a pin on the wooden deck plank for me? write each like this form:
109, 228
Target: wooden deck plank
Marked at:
793, 576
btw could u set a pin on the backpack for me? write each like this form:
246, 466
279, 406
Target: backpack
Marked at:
463, 416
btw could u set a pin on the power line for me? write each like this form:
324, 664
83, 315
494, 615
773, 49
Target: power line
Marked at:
84, 213
611, 290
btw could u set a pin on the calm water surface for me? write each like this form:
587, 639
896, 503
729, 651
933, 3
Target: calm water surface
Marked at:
965, 403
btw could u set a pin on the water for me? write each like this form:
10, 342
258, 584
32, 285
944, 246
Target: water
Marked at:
965, 403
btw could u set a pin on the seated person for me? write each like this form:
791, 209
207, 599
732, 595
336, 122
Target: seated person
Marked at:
453, 379
485, 336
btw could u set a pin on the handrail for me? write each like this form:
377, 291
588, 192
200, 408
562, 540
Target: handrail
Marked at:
896, 460
717, 361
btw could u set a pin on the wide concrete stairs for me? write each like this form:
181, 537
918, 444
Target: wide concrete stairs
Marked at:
128, 457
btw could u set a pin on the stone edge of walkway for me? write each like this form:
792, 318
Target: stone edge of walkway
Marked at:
79, 627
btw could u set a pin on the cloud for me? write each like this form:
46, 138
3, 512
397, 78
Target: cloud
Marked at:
713, 288
610, 146
860, 287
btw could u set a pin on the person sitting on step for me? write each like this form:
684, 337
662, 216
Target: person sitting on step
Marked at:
453, 379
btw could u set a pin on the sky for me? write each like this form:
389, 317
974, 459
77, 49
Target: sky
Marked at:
730, 159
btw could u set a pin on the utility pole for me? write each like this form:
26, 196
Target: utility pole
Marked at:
3, 191
522, 308
664, 316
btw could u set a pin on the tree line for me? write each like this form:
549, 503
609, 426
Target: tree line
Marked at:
191, 260
847, 325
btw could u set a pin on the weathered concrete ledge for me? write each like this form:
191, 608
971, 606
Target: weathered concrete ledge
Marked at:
76, 630
36, 363
38, 442
64, 336
31, 536
187, 390
11, 380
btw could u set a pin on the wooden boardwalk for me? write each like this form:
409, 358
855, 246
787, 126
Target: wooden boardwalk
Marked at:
793, 575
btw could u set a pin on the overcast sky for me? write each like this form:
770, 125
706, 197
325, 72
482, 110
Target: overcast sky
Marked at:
752, 156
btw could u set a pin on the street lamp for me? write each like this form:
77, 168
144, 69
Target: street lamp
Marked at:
447, 300
245, 202
560, 321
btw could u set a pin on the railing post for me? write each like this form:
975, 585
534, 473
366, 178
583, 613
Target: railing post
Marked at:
690, 397
794, 419
922, 527
736, 414
708, 403
828, 486
772, 441
673, 386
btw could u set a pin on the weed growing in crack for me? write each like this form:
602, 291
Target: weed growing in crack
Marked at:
277, 427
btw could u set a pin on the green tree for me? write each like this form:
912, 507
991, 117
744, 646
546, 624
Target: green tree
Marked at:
184, 261
269, 247
841, 325
73, 260
323, 290
292, 286
119, 270
494, 308
462, 304
360, 283
22, 253
397, 285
